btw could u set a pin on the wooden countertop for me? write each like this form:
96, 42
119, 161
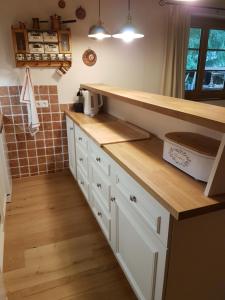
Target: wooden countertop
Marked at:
81, 119
1, 122
104, 129
206, 115
182, 195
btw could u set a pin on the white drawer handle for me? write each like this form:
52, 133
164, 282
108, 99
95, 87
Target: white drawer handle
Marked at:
98, 159
99, 214
133, 199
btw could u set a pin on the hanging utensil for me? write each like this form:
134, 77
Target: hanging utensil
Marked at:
56, 22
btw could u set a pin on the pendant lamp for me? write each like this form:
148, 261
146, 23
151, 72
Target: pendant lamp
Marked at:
98, 31
128, 33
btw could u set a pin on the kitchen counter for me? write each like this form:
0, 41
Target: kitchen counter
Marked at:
104, 129
1, 122
179, 193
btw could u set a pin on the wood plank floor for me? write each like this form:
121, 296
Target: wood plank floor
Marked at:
54, 248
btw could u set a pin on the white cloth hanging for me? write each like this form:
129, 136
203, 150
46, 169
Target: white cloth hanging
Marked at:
27, 96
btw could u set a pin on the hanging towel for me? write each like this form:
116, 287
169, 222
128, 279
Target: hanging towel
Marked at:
27, 96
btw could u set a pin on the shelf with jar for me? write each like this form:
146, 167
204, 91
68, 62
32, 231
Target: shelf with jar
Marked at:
42, 48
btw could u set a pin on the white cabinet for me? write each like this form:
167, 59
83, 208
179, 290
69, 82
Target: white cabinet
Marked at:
134, 223
5, 173
71, 146
140, 253
5, 190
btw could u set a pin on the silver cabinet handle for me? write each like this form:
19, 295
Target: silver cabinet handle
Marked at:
99, 185
98, 159
133, 199
71, 128
80, 139
81, 159
158, 226
82, 183
99, 214
113, 199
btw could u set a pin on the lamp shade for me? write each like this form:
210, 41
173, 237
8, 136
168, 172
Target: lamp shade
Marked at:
98, 32
128, 33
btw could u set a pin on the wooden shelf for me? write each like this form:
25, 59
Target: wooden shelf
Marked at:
40, 64
210, 116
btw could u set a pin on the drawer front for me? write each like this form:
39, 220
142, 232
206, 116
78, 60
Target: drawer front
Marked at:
101, 186
83, 183
82, 160
101, 216
81, 138
101, 158
155, 216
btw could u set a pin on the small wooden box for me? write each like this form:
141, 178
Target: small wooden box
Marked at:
191, 152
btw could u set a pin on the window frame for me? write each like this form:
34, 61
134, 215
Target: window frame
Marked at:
205, 24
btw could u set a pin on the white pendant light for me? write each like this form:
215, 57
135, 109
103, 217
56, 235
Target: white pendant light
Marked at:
128, 33
98, 31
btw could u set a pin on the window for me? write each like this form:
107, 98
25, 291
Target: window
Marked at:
205, 69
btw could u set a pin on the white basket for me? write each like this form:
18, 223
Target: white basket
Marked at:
193, 163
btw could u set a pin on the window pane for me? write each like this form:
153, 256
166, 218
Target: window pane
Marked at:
216, 39
192, 60
214, 80
190, 80
195, 38
215, 60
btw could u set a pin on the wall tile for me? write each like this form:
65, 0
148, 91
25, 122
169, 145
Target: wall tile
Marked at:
47, 152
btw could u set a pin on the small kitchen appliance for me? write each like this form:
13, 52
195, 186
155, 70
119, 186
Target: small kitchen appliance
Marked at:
92, 103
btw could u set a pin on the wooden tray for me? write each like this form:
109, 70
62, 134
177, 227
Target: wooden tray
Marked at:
115, 132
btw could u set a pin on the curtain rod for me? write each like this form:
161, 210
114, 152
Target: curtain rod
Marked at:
165, 2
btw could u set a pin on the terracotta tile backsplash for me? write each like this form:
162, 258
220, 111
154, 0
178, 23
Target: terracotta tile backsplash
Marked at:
47, 152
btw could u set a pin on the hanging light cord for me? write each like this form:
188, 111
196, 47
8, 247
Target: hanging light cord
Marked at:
129, 11
99, 10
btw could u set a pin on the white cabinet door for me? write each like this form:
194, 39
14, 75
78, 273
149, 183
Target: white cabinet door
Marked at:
141, 255
71, 146
5, 173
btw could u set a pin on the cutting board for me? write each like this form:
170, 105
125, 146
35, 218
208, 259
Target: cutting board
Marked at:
115, 132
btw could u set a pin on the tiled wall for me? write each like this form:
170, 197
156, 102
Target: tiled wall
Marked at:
47, 152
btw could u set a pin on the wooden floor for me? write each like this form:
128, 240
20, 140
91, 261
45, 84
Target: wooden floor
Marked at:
54, 248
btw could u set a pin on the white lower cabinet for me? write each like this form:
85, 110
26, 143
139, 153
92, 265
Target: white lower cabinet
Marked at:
102, 216
140, 253
71, 146
134, 223
83, 183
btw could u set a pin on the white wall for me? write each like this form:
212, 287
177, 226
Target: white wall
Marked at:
137, 65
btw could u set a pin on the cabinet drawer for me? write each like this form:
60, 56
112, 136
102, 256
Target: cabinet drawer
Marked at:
101, 158
83, 182
81, 138
156, 216
101, 216
101, 186
82, 160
